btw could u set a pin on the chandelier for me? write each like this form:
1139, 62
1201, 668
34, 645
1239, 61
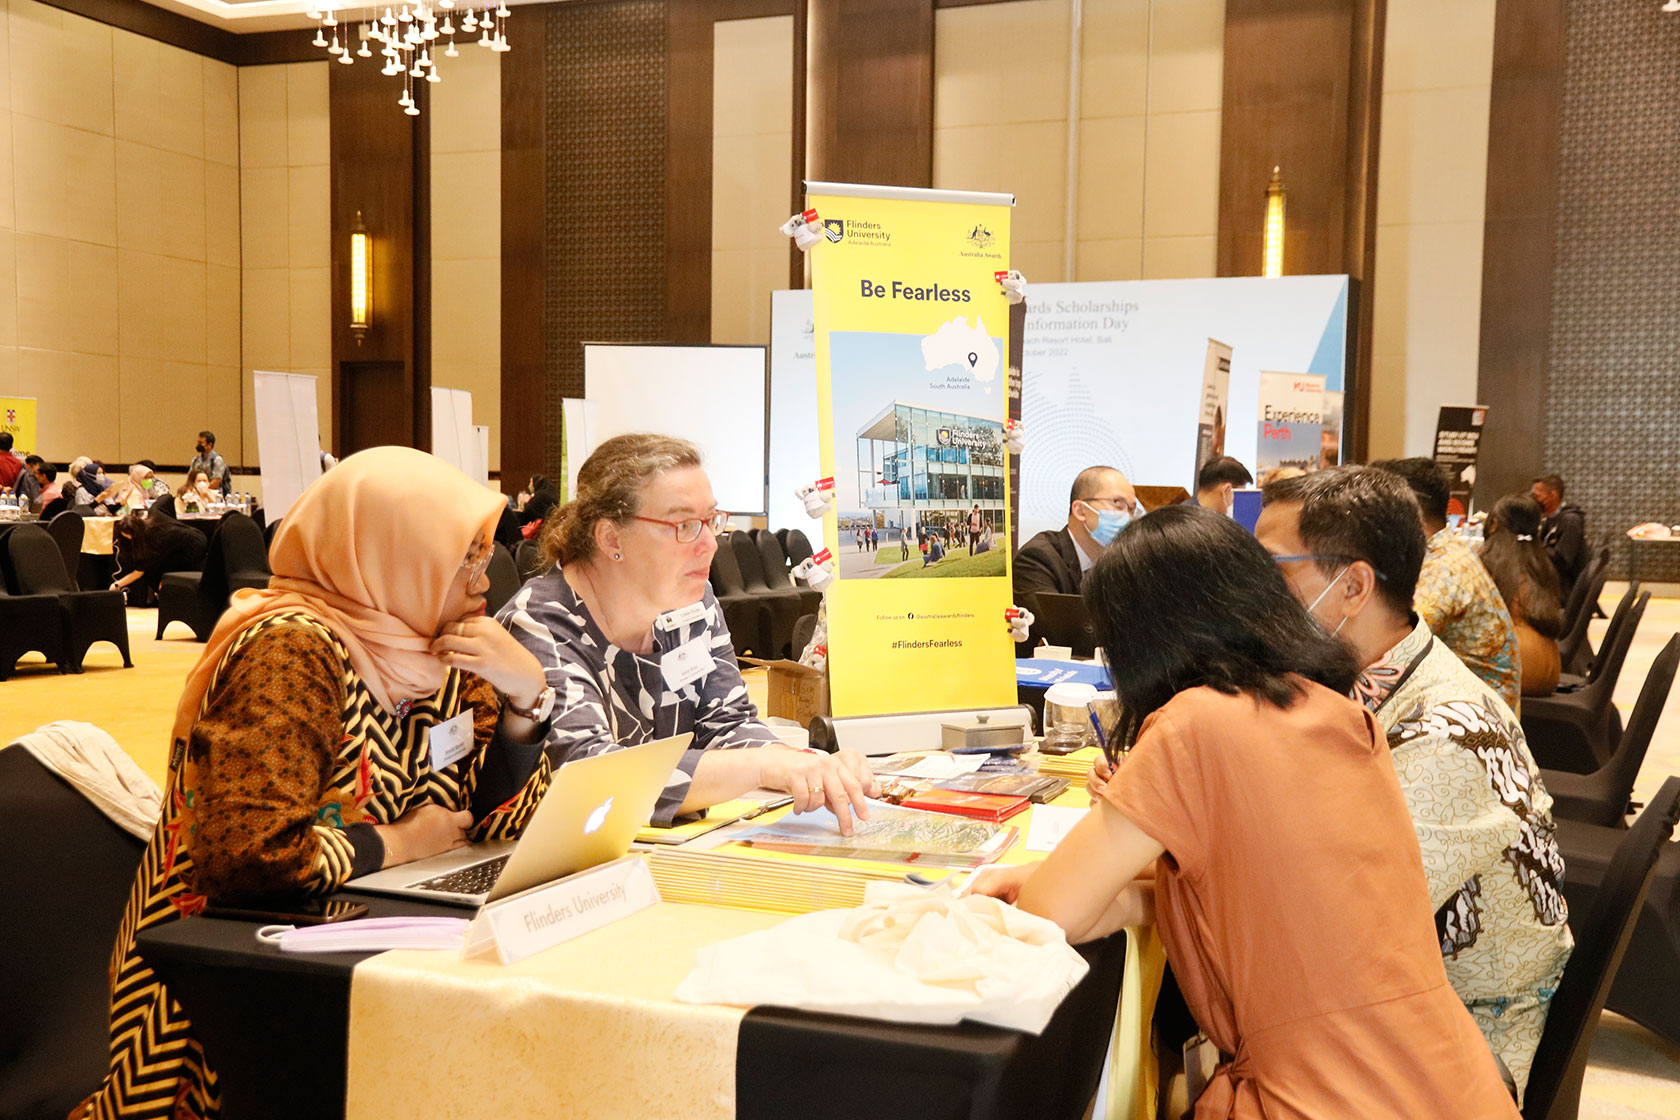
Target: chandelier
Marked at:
409, 38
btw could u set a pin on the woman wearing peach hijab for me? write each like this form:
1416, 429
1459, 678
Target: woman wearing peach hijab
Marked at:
301, 753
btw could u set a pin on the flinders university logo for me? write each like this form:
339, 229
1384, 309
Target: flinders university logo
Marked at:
980, 237
834, 229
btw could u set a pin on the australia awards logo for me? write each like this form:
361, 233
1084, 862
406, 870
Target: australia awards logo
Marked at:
834, 229
980, 237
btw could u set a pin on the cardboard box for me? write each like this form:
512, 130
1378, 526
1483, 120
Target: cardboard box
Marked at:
797, 692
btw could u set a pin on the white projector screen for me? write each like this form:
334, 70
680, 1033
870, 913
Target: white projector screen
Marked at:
713, 395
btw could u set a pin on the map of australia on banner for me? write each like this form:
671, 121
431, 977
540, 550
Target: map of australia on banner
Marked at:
967, 347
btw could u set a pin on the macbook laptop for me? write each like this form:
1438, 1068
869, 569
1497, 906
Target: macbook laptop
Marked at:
589, 816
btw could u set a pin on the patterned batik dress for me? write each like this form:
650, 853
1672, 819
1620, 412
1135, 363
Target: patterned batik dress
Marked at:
274, 793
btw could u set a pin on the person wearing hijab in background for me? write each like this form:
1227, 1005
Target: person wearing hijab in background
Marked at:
90, 480
1522, 570
300, 746
539, 501
137, 492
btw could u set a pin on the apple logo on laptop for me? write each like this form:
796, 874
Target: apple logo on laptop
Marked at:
598, 817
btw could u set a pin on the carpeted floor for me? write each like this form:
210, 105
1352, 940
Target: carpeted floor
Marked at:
1634, 1074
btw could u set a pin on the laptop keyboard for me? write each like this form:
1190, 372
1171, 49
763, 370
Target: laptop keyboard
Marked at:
473, 880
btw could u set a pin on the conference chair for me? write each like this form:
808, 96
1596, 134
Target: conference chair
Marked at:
746, 615
30, 624
504, 578
236, 559
64, 879
776, 568
1602, 931
527, 558
85, 617
55, 507
1063, 620
67, 529
803, 631
785, 607
1574, 650
1650, 974
796, 544
1602, 797
1578, 731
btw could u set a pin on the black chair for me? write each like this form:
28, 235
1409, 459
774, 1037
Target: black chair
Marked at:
1602, 796
1063, 620
527, 558
802, 633
1602, 932
55, 507
785, 607
504, 578
60, 906
235, 559
164, 505
268, 532
1578, 731
67, 529
85, 617
744, 613
776, 568
796, 544
1574, 651
30, 624
1650, 975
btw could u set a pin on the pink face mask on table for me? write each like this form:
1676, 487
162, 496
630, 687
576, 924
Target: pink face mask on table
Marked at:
368, 935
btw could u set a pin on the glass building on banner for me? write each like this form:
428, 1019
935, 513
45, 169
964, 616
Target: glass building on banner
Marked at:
922, 465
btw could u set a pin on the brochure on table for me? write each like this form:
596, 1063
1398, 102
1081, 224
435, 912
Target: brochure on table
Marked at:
911, 342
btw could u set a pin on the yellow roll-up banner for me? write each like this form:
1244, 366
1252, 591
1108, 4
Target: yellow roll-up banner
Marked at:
17, 416
912, 337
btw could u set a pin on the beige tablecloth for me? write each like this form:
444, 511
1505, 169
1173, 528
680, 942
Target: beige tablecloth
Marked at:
586, 1029
96, 535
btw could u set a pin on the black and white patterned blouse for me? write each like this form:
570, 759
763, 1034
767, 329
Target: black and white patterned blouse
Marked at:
608, 697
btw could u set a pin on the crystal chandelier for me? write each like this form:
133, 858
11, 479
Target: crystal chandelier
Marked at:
409, 38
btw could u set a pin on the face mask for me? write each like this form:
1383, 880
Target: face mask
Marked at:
368, 935
1109, 524
1314, 604
145, 484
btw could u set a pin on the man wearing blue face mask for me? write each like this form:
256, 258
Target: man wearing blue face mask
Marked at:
1100, 504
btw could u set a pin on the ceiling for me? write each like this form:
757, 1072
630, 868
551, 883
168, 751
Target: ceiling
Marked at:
273, 15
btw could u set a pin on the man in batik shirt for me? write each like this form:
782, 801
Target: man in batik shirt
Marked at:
1350, 542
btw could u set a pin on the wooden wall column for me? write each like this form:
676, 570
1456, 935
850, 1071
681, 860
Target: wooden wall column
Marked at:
1303, 92
869, 91
1518, 241
381, 167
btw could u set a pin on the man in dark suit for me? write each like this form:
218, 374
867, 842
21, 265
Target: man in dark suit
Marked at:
1563, 532
1056, 560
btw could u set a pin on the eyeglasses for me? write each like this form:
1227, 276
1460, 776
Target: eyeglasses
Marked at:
1322, 557
689, 531
475, 564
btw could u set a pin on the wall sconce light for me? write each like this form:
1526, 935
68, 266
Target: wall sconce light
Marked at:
1272, 253
361, 279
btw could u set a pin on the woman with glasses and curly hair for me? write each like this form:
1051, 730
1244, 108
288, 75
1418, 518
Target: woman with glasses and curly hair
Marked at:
635, 646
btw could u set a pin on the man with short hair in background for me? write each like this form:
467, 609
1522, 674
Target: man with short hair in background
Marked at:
1456, 596
1217, 481
28, 484
1563, 532
210, 462
1350, 543
1100, 504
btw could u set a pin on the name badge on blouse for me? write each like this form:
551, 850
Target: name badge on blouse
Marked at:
450, 741
688, 663
682, 616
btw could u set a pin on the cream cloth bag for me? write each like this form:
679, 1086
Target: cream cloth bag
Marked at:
908, 954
